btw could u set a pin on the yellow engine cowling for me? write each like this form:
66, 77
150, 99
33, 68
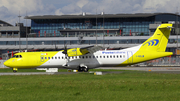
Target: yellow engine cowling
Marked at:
76, 52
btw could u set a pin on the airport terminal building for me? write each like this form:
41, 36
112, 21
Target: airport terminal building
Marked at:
50, 32
102, 24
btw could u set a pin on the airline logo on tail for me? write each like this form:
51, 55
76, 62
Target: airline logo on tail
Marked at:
153, 42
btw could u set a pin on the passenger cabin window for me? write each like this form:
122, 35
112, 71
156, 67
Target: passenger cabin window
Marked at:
48, 57
59, 57
52, 57
45, 57
55, 57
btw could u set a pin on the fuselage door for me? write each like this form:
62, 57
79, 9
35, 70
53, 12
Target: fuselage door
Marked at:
130, 56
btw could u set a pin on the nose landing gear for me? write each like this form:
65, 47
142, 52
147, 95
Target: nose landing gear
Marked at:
15, 70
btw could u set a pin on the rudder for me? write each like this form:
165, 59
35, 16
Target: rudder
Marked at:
159, 40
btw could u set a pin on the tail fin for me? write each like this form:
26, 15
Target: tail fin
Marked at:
159, 40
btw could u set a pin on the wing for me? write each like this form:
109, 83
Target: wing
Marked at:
83, 50
91, 49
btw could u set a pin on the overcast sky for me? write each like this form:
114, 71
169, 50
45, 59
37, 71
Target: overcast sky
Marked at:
9, 9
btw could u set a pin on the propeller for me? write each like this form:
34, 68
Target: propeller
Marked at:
65, 52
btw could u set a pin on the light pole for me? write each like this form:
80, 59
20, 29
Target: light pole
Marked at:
26, 34
177, 26
103, 26
96, 27
19, 32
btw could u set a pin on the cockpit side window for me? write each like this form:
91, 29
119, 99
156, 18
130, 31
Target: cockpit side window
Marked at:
17, 56
20, 56
14, 56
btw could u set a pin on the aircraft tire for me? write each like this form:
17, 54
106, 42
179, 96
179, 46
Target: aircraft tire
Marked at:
85, 69
14, 71
80, 69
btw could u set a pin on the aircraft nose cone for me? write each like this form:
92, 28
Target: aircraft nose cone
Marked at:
6, 63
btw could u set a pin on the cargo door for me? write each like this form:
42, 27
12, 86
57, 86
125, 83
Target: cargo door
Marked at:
130, 57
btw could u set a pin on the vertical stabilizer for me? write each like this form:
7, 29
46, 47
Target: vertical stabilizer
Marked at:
159, 40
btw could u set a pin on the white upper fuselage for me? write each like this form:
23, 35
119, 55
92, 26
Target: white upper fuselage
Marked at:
100, 58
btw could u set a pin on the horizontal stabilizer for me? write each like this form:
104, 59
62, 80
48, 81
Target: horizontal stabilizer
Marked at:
168, 27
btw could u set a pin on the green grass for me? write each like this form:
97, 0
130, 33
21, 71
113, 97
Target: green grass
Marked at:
127, 86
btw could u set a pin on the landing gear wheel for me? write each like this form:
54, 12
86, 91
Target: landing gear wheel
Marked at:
14, 71
80, 69
85, 70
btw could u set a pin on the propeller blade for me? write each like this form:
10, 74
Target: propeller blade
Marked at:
65, 50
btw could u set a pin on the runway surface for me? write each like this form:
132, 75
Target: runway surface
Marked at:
144, 68
173, 70
169, 70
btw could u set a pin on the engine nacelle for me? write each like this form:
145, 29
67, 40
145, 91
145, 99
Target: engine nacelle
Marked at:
76, 52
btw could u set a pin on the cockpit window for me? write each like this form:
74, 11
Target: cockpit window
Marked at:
17, 56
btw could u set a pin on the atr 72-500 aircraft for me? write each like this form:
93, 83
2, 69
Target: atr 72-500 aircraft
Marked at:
91, 57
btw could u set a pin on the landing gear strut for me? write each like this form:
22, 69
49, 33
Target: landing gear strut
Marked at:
15, 70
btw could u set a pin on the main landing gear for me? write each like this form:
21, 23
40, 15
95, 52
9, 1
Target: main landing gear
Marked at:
15, 70
83, 69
